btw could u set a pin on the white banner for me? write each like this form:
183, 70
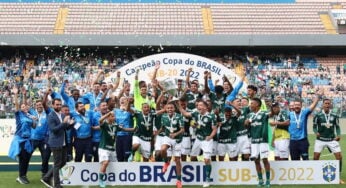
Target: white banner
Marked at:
223, 173
7, 129
175, 65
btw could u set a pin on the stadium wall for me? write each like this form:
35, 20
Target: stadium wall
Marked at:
174, 40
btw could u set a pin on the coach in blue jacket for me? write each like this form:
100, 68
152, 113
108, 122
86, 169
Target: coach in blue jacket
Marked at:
58, 124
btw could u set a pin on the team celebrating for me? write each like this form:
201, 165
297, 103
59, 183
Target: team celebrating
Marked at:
153, 124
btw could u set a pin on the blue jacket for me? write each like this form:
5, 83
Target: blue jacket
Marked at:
57, 130
41, 130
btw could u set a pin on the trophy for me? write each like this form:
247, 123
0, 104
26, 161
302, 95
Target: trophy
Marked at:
65, 174
170, 86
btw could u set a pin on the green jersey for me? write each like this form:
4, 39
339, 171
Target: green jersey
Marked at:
187, 122
258, 127
228, 130
158, 124
326, 125
145, 125
172, 125
218, 102
108, 135
241, 130
191, 100
281, 131
205, 125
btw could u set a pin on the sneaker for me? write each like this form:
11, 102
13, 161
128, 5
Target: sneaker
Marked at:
268, 184
46, 183
102, 183
206, 184
130, 159
342, 181
25, 179
260, 183
165, 167
178, 184
21, 180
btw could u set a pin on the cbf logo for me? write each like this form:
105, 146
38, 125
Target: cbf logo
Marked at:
329, 172
66, 173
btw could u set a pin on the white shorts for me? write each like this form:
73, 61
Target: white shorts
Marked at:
259, 150
186, 146
175, 147
230, 149
205, 146
282, 148
107, 155
334, 146
144, 146
158, 142
243, 144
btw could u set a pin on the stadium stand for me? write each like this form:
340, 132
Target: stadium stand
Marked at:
167, 18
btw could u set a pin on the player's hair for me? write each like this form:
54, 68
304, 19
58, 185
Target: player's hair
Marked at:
258, 101
252, 87
56, 99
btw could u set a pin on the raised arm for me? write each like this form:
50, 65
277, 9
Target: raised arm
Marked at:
184, 112
16, 101
98, 76
237, 88
117, 82
63, 94
206, 86
188, 77
157, 67
316, 99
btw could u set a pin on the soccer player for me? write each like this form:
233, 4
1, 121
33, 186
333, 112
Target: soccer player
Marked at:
205, 131
143, 132
228, 134
173, 126
327, 130
299, 144
281, 136
186, 142
257, 121
106, 151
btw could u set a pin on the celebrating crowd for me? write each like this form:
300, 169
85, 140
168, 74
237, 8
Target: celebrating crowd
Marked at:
133, 121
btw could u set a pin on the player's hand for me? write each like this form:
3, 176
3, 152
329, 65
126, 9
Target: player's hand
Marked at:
247, 122
337, 138
66, 119
172, 135
318, 135
157, 65
272, 123
208, 138
118, 74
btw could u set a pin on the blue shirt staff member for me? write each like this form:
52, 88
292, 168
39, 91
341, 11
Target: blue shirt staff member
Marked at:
82, 142
21, 147
39, 135
299, 144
